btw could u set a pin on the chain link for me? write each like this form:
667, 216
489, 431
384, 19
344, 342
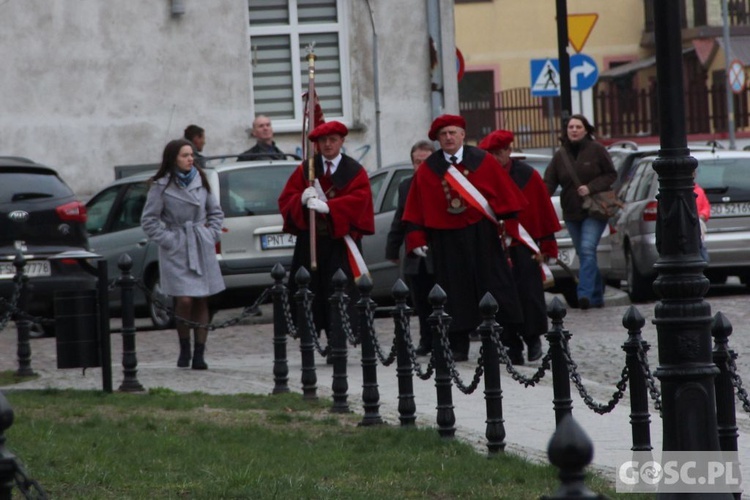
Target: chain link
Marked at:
455, 376
515, 375
385, 360
346, 324
29, 488
653, 390
307, 307
737, 383
291, 328
248, 311
416, 365
598, 408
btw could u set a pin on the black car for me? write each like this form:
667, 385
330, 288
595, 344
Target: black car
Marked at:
40, 217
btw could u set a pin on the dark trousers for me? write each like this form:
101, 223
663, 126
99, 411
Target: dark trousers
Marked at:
420, 285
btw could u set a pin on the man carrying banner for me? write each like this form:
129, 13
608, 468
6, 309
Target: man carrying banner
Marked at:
529, 254
341, 198
457, 206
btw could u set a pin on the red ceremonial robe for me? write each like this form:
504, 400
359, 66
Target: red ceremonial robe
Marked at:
469, 258
540, 220
351, 212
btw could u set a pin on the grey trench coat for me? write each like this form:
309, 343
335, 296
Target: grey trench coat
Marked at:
186, 224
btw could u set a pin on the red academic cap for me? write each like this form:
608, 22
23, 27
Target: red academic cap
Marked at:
445, 121
499, 139
328, 128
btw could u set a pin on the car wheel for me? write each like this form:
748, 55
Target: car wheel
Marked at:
157, 301
640, 288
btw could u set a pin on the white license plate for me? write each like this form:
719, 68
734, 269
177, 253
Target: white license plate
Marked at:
566, 256
730, 209
33, 269
277, 240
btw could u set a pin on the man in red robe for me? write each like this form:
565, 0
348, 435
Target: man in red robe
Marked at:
342, 200
463, 230
540, 222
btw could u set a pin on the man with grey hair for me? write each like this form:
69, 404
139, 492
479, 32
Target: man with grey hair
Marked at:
265, 148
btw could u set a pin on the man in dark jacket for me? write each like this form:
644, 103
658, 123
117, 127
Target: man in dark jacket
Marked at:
265, 148
417, 270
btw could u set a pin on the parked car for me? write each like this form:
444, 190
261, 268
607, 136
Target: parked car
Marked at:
252, 241
41, 217
724, 177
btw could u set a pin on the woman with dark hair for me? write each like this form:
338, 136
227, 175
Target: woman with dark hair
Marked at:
184, 219
582, 167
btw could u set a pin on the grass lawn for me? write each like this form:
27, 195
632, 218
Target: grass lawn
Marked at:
87, 444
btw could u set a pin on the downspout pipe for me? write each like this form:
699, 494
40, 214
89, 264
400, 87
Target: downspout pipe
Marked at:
436, 58
376, 85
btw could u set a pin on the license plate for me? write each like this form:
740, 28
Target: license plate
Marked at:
730, 209
278, 240
33, 269
566, 256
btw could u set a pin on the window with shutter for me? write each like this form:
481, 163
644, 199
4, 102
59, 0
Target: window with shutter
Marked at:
280, 32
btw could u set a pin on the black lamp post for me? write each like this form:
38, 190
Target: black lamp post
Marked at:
682, 317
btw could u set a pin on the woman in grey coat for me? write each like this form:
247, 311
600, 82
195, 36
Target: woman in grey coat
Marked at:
184, 219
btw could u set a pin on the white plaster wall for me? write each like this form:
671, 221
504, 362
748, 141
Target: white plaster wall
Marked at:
89, 84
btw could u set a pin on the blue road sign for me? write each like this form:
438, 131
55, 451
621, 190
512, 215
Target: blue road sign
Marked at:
545, 78
583, 72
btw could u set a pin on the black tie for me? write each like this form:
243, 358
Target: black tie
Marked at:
454, 160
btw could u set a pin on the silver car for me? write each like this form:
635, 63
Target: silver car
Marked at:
723, 175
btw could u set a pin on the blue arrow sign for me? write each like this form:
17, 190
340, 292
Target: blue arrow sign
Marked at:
583, 72
545, 78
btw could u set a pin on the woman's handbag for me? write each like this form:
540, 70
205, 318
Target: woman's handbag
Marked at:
601, 205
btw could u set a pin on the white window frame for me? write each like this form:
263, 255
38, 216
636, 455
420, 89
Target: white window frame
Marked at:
294, 31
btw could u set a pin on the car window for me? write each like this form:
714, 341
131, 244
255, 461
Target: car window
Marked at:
16, 186
128, 212
390, 200
98, 209
252, 191
630, 188
644, 185
377, 181
725, 176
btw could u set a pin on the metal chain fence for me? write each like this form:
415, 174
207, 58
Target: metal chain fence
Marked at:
455, 376
737, 383
505, 358
653, 390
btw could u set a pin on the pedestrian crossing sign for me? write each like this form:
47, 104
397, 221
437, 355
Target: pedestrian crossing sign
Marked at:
545, 77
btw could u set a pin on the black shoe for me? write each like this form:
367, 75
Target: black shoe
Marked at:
423, 350
183, 361
584, 303
535, 349
460, 356
198, 362
516, 357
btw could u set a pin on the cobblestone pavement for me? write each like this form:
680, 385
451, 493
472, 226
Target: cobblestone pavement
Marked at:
240, 360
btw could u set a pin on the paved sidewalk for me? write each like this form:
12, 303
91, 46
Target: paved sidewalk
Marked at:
240, 360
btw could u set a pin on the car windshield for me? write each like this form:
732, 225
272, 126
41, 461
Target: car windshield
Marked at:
253, 191
16, 186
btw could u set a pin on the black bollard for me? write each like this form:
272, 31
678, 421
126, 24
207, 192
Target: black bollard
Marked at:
721, 329
280, 363
7, 459
337, 303
306, 331
126, 282
493, 392
446, 417
571, 450
407, 409
23, 324
640, 418
561, 401
370, 392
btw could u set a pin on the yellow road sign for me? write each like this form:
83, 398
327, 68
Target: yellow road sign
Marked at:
579, 29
